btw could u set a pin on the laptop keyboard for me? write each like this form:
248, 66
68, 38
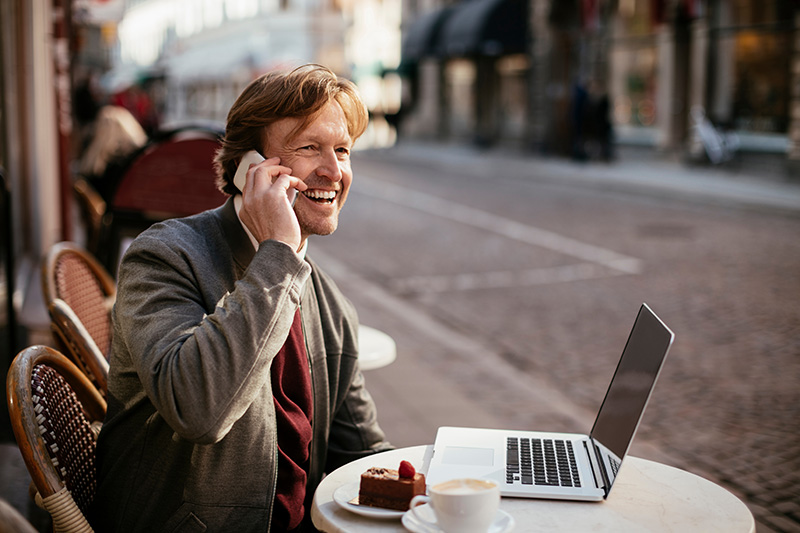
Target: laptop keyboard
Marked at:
541, 462
614, 465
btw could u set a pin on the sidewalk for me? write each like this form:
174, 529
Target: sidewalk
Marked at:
750, 185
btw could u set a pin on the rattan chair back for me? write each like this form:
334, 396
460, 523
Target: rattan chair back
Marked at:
56, 414
79, 294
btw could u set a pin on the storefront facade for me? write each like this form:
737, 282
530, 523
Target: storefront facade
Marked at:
653, 61
468, 70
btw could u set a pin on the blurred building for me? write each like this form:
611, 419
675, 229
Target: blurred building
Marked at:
542, 73
198, 56
206, 52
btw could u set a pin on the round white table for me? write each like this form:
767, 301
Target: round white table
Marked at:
376, 348
647, 496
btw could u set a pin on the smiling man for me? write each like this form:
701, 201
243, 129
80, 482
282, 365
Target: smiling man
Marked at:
234, 382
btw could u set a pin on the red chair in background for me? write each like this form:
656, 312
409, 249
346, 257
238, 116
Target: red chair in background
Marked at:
173, 176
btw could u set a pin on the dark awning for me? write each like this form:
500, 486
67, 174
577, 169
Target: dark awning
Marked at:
486, 27
422, 36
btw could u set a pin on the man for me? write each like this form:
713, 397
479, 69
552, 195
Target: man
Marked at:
234, 379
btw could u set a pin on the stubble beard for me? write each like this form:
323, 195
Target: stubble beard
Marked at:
322, 227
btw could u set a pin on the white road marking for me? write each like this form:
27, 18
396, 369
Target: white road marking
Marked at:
502, 279
597, 261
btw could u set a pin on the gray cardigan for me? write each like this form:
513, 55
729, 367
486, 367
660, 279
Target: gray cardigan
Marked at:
189, 442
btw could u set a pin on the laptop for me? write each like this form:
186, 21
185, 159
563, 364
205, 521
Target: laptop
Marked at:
568, 466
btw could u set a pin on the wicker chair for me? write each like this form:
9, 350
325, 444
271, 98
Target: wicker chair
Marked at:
56, 414
92, 208
79, 294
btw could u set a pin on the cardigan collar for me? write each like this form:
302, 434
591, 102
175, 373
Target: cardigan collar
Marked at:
240, 244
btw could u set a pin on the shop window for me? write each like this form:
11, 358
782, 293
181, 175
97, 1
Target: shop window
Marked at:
633, 85
634, 63
460, 95
761, 88
512, 72
750, 76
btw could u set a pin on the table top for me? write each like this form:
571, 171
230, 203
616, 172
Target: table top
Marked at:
376, 348
647, 496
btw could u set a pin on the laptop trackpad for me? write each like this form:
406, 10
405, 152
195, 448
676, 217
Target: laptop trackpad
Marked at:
457, 455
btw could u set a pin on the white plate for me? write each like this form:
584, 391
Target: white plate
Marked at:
345, 493
502, 523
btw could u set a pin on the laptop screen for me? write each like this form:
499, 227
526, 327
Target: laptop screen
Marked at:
632, 383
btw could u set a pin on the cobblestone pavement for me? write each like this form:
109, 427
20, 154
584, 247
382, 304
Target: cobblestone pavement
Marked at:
721, 269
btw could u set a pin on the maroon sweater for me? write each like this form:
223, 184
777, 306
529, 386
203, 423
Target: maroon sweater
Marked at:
291, 392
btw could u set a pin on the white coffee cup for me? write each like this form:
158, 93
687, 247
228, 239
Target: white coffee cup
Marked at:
460, 505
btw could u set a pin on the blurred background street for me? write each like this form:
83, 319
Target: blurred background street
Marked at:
532, 172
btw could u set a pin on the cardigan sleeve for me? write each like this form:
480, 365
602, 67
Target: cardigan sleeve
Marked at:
201, 341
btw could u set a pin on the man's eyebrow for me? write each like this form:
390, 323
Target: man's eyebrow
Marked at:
303, 140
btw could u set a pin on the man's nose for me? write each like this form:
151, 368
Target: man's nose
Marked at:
329, 166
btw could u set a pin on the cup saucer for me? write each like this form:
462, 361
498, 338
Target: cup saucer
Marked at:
502, 523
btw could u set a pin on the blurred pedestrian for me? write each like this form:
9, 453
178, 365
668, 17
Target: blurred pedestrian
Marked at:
234, 382
116, 135
580, 100
137, 100
600, 117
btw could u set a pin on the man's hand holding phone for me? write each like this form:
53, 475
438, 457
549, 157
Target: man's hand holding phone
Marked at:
268, 194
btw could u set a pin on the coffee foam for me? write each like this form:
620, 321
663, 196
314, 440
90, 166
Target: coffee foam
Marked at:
463, 486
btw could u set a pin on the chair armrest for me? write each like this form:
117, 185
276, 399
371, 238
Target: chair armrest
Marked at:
67, 517
77, 338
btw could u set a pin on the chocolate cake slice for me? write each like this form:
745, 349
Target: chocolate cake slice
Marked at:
386, 488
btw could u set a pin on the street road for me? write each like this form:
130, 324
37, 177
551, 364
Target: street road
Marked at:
551, 275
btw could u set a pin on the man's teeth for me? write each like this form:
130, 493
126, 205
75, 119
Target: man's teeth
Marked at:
320, 195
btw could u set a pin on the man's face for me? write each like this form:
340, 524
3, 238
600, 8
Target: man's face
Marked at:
320, 156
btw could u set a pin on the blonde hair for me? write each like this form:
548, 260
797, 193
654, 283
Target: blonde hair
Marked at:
117, 134
300, 93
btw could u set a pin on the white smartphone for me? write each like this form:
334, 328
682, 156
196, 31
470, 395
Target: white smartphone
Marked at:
250, 158
253, 158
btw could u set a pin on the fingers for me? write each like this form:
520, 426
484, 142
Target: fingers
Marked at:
272, 168
287, 182
267, 202
277, 174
